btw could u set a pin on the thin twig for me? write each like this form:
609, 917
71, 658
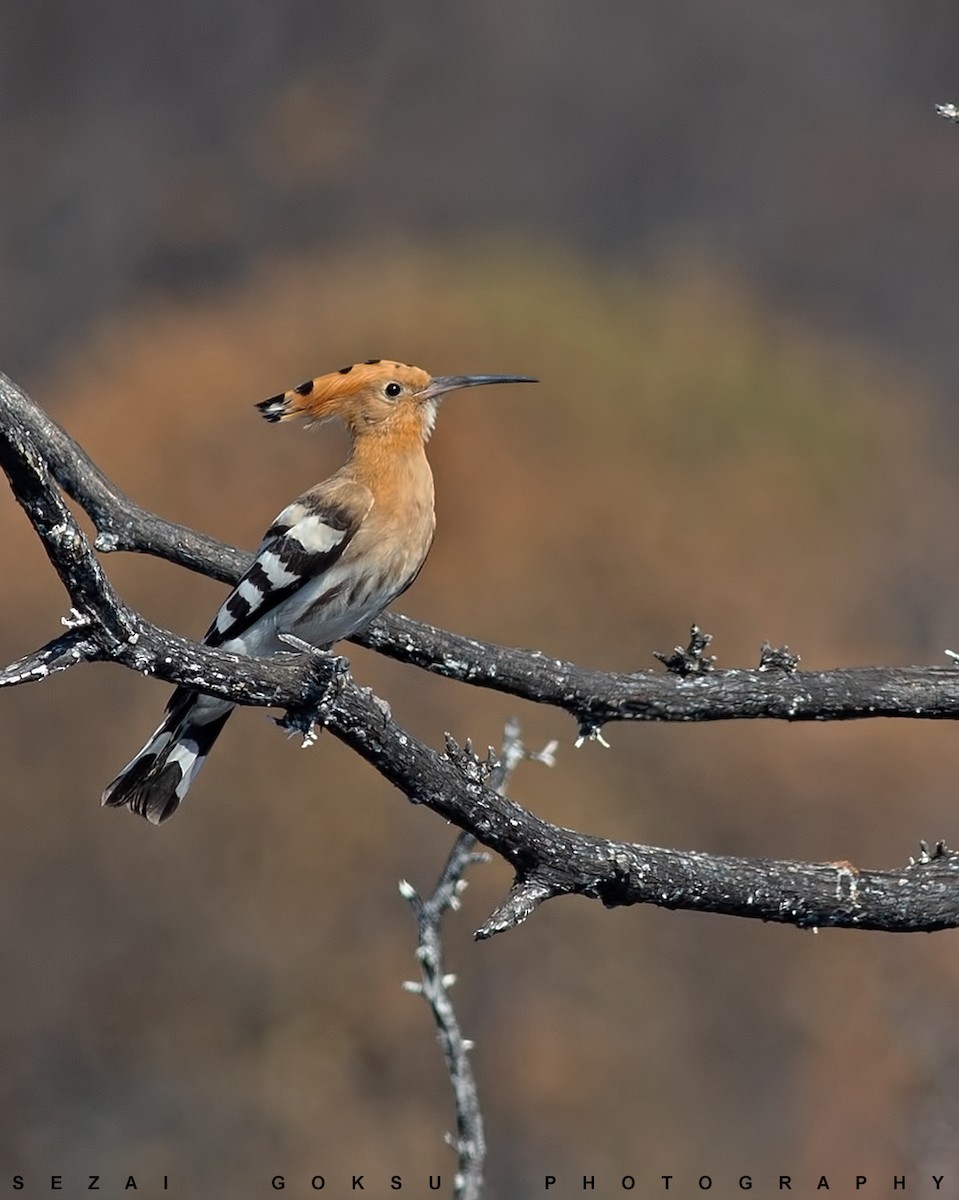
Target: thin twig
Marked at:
433, 986
434, 983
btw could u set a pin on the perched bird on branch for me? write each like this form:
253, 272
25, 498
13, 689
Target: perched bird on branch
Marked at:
330, 562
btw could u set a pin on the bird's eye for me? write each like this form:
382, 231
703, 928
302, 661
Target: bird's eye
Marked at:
392, 390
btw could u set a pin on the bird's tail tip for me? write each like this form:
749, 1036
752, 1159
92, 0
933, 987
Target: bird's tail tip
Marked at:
149, 786
156, 780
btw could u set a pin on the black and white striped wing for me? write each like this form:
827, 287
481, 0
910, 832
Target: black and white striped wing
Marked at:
301, 545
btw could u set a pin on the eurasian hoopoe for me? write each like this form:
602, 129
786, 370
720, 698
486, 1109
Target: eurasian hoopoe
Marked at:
330, 562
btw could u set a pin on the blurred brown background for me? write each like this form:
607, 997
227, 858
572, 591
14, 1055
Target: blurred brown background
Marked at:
724, 237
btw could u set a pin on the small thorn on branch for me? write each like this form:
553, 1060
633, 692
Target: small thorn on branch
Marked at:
777, 658
524, 896
473, 768
692, 660
76, 620
939, 851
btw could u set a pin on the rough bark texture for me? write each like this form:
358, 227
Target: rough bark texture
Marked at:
549, 861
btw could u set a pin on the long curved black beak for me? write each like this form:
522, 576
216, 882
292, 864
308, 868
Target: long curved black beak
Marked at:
441, 384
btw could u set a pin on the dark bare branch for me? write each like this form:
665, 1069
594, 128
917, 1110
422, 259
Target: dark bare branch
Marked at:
79, 644
549, 861
592, 698
552, 861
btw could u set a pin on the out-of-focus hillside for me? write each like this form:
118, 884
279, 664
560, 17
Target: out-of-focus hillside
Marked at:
168, 144
221, 999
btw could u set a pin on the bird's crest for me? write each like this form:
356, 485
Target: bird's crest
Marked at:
330, 395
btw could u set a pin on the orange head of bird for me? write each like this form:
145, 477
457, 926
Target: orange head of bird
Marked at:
376, 394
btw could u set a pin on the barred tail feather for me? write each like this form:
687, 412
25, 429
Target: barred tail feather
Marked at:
156, 780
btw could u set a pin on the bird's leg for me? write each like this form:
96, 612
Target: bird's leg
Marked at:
329, 671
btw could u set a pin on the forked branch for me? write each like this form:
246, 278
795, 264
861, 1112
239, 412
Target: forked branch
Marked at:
548, 861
